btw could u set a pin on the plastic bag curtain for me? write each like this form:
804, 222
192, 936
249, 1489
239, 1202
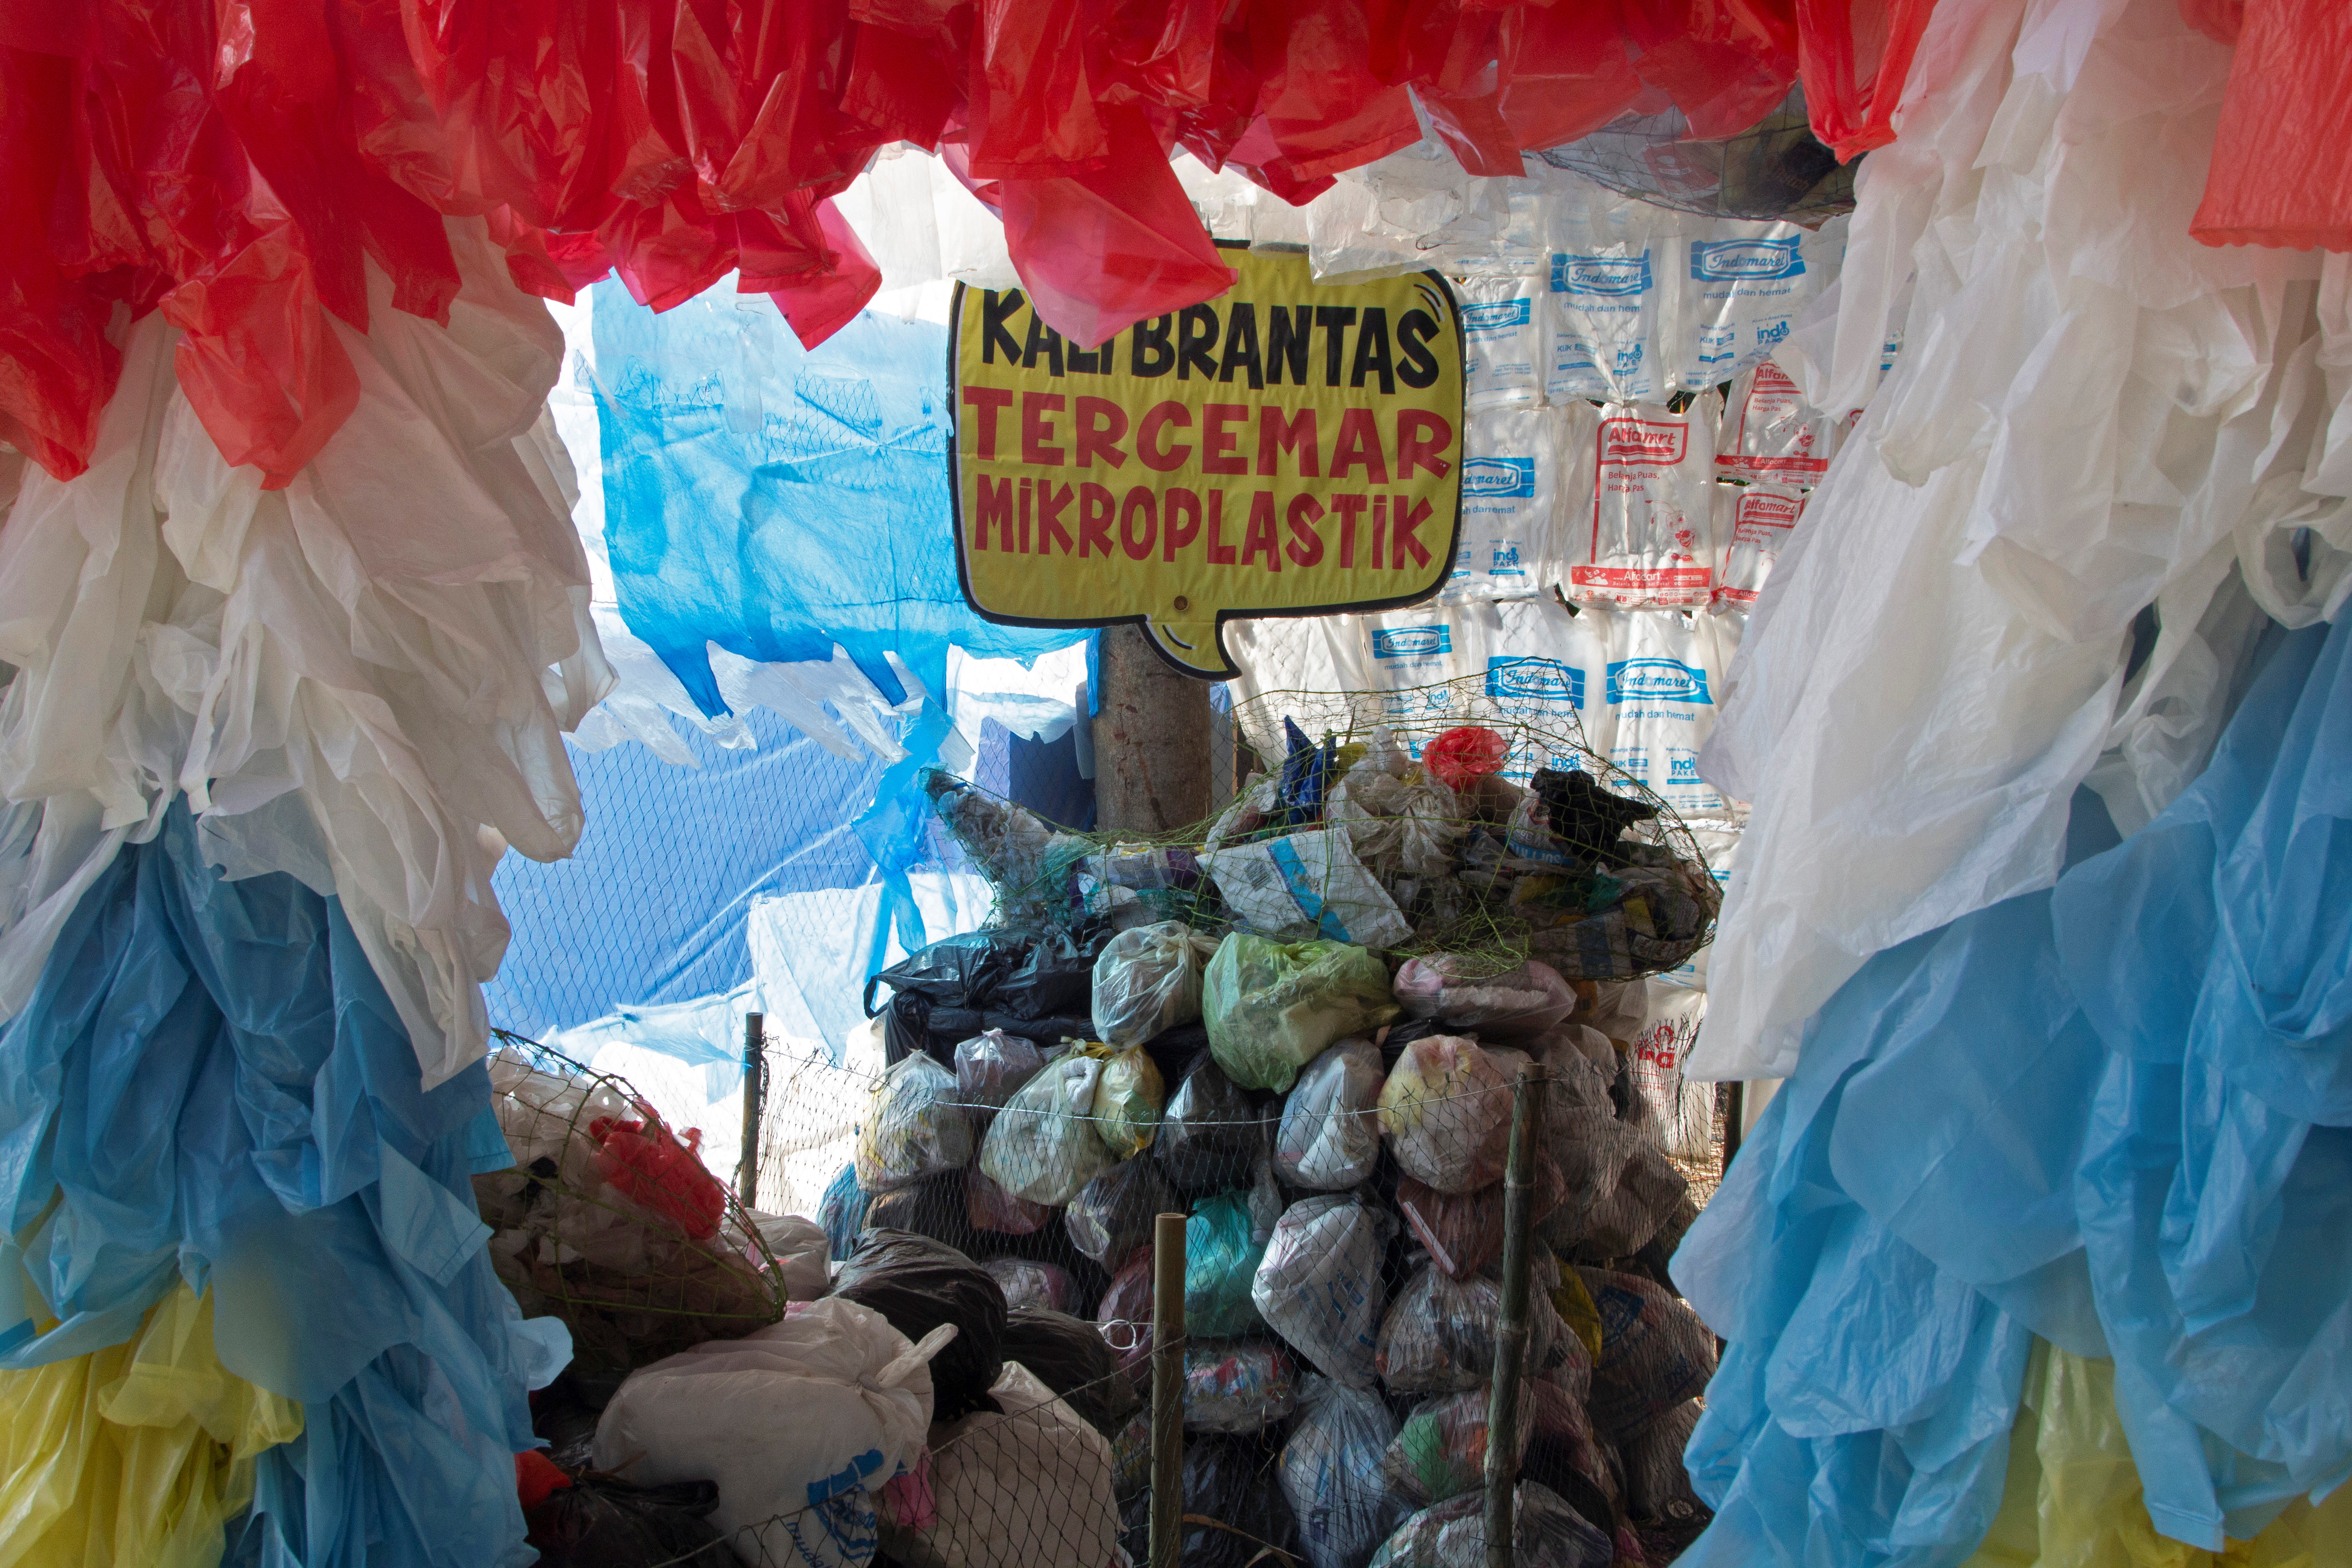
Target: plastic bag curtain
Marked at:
236, 167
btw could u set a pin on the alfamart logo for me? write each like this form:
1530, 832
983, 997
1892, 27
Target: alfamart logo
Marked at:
1643, 441
1488, 477
1497, 317
1656, 680
1744, 261
1414, 642
1600, 274
1543, 681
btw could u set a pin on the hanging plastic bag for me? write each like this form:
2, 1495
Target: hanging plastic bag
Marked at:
1755, 524
1515, 1004
1649, 538
919, 1284
1239, 1386
1126, 1106
989, 1067
1222, 1252
1656, 1352
914, 1127
1318, 1284
1331, 1474
1680, 1114
1030, 1284
1148, 979
1439, 1335
1463, 1232
1043, 1145
1329, 1137
1211, 1135
1112, 1214
1447, 1113
1441, 1450
991, 1208
1021, 1481
843, 1213
1546, 1532
1271, 1009
1769, 435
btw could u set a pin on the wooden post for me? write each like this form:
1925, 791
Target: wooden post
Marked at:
1511, 1340
1167, 1389
755, 1083
1733, 1115
1151, 740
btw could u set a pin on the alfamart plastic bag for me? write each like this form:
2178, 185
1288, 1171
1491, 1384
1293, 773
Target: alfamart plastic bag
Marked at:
1648, 538
830, 1402
1447, 1113
1238, 1386
1318, 1284
1304, 885
1546, 1532
913, 1128
1515, 1004
1329, 1137
1331, 1473
1769, 434
1043, 1145
1148, 979
1272, 1006
1754, 524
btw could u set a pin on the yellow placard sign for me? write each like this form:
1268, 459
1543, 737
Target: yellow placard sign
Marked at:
1286, 448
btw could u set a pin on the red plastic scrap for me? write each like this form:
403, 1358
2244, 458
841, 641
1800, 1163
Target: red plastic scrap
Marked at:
1853, 57
2282, 168
654, 1169
1464, 755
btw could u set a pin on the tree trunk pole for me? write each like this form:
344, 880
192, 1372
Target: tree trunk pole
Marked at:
1151, 740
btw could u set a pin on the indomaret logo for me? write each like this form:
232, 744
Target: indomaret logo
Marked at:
1657, 681
1483, 477
1545, 681
1600, 274
1412, 642
1744, 261
1643, 441
1496, 317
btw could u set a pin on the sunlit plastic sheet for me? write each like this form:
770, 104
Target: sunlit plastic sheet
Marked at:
2114, 1115
210, 1085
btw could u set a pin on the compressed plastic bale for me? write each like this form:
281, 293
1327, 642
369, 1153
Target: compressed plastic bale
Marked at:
1546, 1532
990, 1207
1226, 1480
914, 1127
1223, 1249
1654, 1354
1318, 1285
1043, 1145
1146, 980
1656, 1484
1271, 1007
1027, 1283
1513, 1005
920, 1284
1127, 1103
1070, 1356
1331, 1474
1447, 1113
1440, 1333
1463, 1232
1329, 1136
1112, 1214
820, 1408
1025, 1483
1238, 1385
1439, 1451
989, 1067
1211, 1135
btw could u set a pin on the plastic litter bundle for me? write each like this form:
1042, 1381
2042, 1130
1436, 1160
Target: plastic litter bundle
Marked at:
1222, 1247
1026, 1483
1070, 1356
1307, 884
1654, 1354
989, 1067
1329, 1136
1210, 1134
1447, 1113
1148, 979
1517, 1004
1331, 1474
1620, 1183
1127, 1101
1440, 1333
920, 1284
1463, 1232
1043, 1145
1441, 1449
914, 1127
829, 1402
1112, 1214
1230, 1481
990, 1207
1238, 1385
1029, 1284
1318, 1285
1271, 1007
1546, 1532
1656, 1484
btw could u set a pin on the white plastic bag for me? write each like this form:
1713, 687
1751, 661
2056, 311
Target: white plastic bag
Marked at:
1331, 1473
1665, 670
1755, 524
1025, 1485
1769, 433
1306, 885
1513, 459
1503, 323
1318, 1285
1682, 1113
1610, 286
819, 1409
1148, 979
1330, 1134
914, 1127
1447, 1113
1742, 288
1043, 1145
1648, 538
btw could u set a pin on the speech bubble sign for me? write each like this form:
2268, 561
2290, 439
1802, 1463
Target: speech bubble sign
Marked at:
1288, 448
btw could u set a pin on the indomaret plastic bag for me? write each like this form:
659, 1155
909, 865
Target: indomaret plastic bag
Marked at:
1329, 1138
1665, 673
1272, 1006
1146, 980
1648, 538
1331, 1474
1446, 1111
1504, 336
1318, 1283
1043, 1145
914, 1127
1517, 463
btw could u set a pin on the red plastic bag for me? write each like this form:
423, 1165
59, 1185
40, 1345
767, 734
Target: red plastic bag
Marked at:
2282, 168
1464, 755
653, 1169
1854, 57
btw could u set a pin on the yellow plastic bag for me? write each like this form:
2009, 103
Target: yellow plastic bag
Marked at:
139, 1453
1127, 1099
1576, 1308
2073, 1496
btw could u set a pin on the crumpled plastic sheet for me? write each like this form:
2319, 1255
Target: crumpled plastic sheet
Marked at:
1941, 656
241, 169
211, 1086
2114, 1115
2278, 158
359, 679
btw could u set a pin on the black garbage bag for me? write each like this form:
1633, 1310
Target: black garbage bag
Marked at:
1113, 1214
601, 1522
1070, 1356
1054, 979
1232, 1481
960, 971
1174, 1050
933, 1206
918, 1283
1210, 1134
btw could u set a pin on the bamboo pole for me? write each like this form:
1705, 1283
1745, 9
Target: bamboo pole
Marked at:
1167, 1389
755, 1083
1511, 1340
